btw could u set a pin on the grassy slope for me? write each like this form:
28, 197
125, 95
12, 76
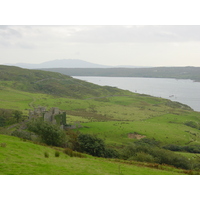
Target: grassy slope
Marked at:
38, 81
20, 157
111, 117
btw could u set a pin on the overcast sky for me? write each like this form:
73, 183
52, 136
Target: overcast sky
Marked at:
137, 45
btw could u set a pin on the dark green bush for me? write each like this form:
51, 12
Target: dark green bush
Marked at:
46, 154
50, 134
110, 153
91, 144
95, 146
57, 153
173, 147
190, 149
148, 153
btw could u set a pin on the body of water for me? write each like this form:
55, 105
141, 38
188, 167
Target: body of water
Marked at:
182, 90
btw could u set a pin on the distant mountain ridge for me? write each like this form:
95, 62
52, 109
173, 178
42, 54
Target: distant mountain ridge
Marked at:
63, 63
67, 63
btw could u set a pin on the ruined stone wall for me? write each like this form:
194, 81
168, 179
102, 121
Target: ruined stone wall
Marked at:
48, 116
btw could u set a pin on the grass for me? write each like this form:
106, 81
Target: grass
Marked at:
114, 118
25, 158
117, 132
105, 111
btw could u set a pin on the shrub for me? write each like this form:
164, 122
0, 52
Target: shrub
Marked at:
173, 147
92, 145
148, 153
71, 153
190, 149
73, 140
110, 153
57, 153
68, 151
46, 154
95, 146
50, 134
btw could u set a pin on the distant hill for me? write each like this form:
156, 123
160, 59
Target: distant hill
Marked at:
192, 73
52, 83
64, 63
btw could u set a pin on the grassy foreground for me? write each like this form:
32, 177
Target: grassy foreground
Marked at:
20, 157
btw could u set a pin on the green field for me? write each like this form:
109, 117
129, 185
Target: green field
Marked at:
107, 112
25, 158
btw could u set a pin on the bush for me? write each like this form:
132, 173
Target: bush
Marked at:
148, 153
190, 149
110, 153
92, 145
46, 154
57, 153
71, 153
73, 140
50, 134
95, 146
173, 147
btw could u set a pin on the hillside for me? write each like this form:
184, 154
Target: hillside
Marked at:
38, 81
192, 73
17, 159
120, 118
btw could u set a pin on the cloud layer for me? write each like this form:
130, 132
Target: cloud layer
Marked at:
135, 45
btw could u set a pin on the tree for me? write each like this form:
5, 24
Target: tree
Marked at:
91, 144
17, 115
50, 134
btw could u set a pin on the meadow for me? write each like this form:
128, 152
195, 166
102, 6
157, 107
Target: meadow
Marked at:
113, 118
25, 158
109, 113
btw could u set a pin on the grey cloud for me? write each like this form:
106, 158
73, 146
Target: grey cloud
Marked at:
8, 33
110, 34
25, 45
103, 34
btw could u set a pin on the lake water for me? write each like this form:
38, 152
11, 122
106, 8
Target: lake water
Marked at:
181, 90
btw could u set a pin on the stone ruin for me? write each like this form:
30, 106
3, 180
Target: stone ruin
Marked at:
54, 115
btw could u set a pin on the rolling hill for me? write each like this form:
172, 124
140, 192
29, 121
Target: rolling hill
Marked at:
118, 117
63, 63
52, 83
